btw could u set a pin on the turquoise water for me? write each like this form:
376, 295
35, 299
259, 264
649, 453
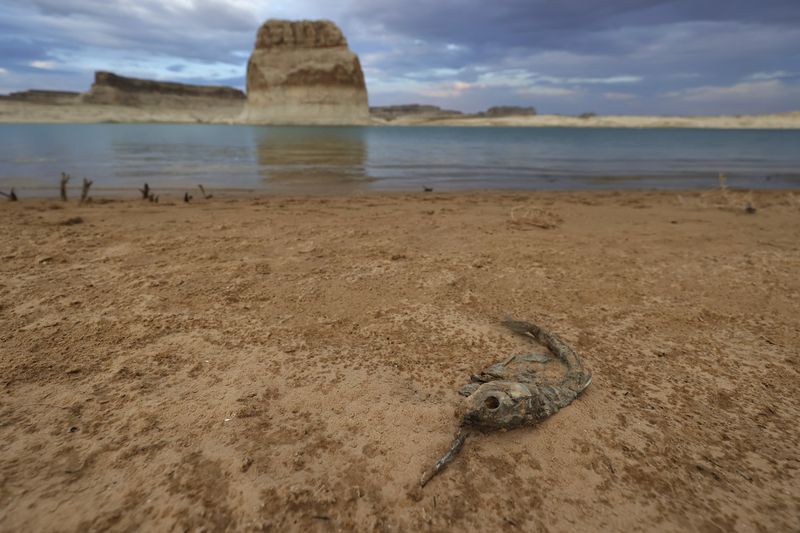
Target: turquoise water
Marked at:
328, 159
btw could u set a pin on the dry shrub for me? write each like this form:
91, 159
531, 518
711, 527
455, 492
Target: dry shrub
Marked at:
725, 198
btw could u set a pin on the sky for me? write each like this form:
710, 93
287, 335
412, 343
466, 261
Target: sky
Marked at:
561, 56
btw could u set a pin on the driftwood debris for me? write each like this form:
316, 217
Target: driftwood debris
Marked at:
64, 179
187, 197
512, 393
153, 198
85, 190
205, 194
11, 195
425, 188
145, 192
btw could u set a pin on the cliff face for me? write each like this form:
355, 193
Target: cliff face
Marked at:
111, 89
304, 73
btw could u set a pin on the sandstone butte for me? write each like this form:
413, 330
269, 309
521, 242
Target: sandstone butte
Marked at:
303, 72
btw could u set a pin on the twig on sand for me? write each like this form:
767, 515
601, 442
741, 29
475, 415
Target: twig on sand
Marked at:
205, 194
85, 190
11, 195
187, 197
64, 179
145, 192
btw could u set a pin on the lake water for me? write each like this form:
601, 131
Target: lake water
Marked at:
121, 157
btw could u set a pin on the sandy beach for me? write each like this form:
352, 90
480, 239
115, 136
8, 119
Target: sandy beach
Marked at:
273, 363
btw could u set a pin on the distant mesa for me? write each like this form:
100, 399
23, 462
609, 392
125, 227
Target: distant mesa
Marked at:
111, 89
508, 111
303, 72
419, 111
38, 96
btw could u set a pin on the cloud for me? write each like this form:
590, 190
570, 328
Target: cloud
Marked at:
44, 65
205, 30
543, 24
774, 75
547, 91
447, 90
620, 97
770, 96
3, 71
740, 91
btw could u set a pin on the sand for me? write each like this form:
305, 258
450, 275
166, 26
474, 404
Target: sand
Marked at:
790, 120
21, 112
291, 363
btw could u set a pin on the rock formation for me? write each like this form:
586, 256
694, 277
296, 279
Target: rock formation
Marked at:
508, 111
111, 89
394, 112
38, 96
304, 73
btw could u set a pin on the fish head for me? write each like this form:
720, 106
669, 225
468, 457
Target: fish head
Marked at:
497, 405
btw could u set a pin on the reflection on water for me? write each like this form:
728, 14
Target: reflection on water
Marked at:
331, 160
317, 159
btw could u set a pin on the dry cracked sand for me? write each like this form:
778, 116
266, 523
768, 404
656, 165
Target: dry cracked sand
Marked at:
291, 363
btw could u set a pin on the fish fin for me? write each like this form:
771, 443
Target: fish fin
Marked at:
469, 388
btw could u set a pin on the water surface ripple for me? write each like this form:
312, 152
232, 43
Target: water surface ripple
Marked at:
336, 160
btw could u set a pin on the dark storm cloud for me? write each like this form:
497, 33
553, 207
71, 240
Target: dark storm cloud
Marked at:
566, 24
17, 51
204, 30
667, 45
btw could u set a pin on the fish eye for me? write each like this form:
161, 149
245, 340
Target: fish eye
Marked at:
491, 402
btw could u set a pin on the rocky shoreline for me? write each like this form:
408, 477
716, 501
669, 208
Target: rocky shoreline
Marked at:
28, 111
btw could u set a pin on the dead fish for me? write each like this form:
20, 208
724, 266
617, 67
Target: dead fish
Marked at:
509, 394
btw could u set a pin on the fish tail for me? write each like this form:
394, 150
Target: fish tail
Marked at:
575, 370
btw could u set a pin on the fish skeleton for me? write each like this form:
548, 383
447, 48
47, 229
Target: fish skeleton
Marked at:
509, 394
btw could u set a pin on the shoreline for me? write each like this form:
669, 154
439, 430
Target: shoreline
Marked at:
233, 194
27, 113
